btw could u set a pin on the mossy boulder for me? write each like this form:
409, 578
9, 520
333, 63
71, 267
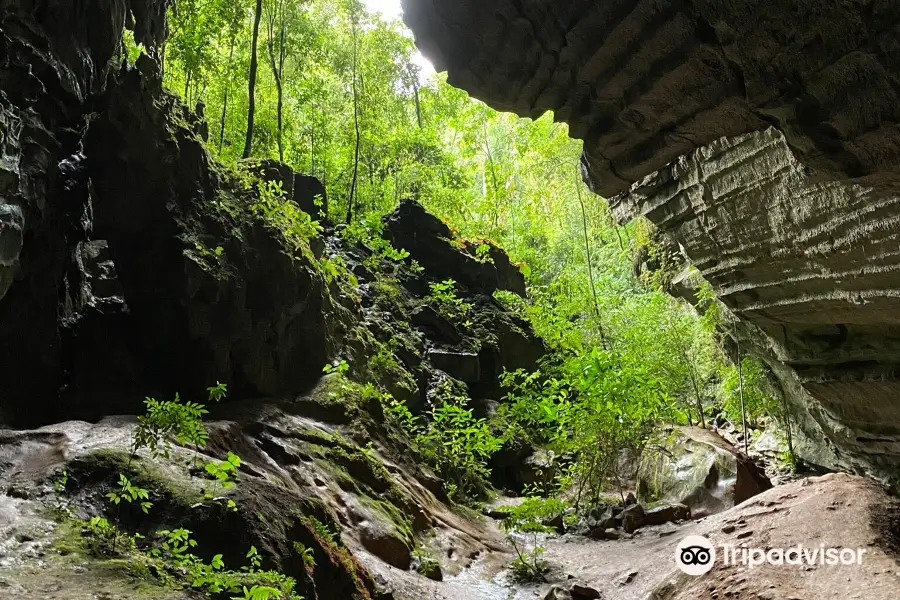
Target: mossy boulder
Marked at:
698, 468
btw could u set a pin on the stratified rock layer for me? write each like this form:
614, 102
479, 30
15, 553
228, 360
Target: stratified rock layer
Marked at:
644, 82
762, 137
811, 267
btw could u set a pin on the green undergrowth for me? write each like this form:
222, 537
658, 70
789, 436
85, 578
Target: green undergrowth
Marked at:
168, 510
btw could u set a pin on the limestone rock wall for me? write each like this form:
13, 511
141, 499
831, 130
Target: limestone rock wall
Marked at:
811, 266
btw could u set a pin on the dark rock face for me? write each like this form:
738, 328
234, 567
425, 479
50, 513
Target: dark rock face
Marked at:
463, 366
54, 58
762, 138
431, 242
310, 195
304, 190
117, 280
209, 304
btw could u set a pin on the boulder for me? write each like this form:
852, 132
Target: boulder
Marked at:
384, 543
701, 470
605, 533
584, 592
557, 593
435, 325
431, 569
305, 191
605, 517
667, 513
770, 442
310, 195
432, 243
633, 518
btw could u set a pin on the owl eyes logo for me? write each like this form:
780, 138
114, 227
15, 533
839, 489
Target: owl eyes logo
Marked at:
695, 555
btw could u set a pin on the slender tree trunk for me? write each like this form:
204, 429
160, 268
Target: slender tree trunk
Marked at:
699, 401
312, 149
740, 363
590, 264
788, 432
356, 125
494, 182
418, 103
254, 66
187, 88
277, 67
224, 115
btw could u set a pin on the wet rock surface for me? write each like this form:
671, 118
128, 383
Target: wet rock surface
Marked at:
698, 469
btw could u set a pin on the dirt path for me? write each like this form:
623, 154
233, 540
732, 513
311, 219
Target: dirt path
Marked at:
837, 511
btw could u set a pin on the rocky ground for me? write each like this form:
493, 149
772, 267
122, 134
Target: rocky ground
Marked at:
39, 560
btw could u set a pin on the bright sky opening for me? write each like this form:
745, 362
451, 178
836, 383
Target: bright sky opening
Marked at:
391, 9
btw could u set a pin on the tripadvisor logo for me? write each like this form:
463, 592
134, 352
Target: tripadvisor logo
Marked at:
696, 555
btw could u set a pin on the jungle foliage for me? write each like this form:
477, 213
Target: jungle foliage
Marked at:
335, 92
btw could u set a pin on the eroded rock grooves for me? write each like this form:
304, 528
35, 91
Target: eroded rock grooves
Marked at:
646, 82
762, 136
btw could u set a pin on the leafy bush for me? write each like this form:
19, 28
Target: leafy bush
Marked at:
443, 296
296, 225
454, 443
589, 409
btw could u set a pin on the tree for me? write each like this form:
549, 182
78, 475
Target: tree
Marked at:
276, 39
353, 7
251, 81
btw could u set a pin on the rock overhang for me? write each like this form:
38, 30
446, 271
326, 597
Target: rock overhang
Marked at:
763, 137
645, 82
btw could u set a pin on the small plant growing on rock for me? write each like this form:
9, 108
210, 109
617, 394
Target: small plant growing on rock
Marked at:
453, 442
130, 494
483, 253
340, 368
224, 472
176, 547
258, 592
169, 420
444, 297
101, 536
306, 555
61, 507
530, 518
369, 232
297, 226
